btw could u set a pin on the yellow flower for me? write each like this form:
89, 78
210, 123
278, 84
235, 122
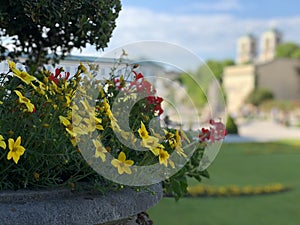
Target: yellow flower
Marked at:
100, 150
152, 143
15, 149
26, 101
64, 121
122, 164
68, 100
143, 131
115, 126
183, 136
1, 102
36, 176
171, 138
156, 134
73, 141
54, 88
2, 142
40, 89
98, 125
180, 151
128, 136
23, 75
82, 68
68, 125
108, 110
178, 146
88, 125
163, 157
11, 65
89, 109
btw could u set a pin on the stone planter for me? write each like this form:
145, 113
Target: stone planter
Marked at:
66, 207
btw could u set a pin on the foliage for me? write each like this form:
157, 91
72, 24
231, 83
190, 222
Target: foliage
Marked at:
231, 126
288, 50
258, 96
191, 83
177, 185
280, 105
37, 27
47, 116
217, 67
197, 95
50, 158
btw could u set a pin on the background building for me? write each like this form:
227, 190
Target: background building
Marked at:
246, 49
269, 41
281, 76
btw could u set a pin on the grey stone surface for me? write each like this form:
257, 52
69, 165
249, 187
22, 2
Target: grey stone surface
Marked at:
127, 221
64, 207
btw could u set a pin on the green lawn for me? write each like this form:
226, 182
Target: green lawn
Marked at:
242, 164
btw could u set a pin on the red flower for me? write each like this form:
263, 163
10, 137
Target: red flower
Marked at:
156, 102
216, 132
219, 129
55, 78
118, 84
205, 135
141, 84
137, 75
67, 75
158, 109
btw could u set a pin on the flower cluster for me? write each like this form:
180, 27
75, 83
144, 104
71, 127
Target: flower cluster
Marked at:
45, 116
216, 132
233, 190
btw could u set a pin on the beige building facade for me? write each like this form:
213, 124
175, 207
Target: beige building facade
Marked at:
246, 49
238, 82
269, 41
281, 76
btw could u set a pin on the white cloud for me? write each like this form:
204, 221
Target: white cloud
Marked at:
209, 36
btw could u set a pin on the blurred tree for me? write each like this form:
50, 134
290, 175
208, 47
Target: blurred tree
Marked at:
231, 125
40, 27
289, 50
193, 88
258, 96
217, 67
198, 82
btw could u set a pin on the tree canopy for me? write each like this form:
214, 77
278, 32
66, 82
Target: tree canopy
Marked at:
288, 50
40, 27
201, 75
217, 67
258, 96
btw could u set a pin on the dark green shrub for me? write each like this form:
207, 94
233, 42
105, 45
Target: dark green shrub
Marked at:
231, 126
258, 96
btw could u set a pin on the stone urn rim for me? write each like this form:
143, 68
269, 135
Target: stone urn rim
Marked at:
68, 207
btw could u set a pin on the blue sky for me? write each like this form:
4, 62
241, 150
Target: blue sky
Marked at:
243, 9
209, 28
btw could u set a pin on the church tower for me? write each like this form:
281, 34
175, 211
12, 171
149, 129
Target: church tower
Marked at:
269, 41
246, 49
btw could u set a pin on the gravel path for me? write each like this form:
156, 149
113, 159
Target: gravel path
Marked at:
262, 131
